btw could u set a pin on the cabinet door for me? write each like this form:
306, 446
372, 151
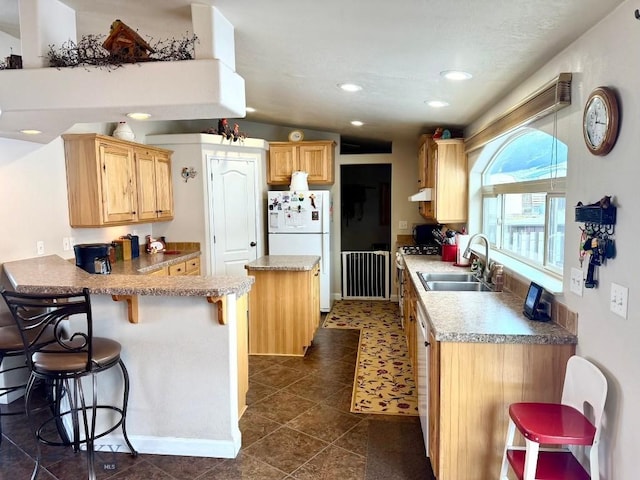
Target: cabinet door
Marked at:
164, 187
242, 319
147, 206
315, 298
282, 162
317, 161
434, 403
155, 193
451, 184
119, 201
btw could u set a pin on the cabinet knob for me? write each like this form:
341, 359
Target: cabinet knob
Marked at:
426, 344
253, 244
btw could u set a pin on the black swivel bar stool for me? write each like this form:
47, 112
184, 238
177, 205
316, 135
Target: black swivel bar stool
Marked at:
73, 355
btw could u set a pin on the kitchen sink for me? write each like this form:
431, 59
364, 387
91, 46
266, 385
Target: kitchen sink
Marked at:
448, 277
448, 286
444, 286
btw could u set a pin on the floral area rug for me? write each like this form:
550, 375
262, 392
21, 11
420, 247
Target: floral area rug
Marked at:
384, 376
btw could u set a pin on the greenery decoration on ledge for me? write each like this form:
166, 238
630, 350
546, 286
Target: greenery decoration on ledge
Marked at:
123, 45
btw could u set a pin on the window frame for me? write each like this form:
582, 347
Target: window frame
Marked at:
554, 187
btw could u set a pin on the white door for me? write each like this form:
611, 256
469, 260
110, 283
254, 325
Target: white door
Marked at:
233, 207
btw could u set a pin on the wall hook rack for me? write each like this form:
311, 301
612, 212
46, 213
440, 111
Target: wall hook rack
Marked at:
597, 235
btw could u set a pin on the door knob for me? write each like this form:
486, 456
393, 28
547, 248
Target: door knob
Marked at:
253, 244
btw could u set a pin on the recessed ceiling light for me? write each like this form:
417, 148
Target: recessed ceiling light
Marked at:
455, 75
30, 132
350, 87
139, 115
437, 103
250, 109
357, 123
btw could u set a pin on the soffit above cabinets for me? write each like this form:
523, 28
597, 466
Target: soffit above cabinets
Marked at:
53, 100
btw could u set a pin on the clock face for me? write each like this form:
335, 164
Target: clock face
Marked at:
600, 121
296, 136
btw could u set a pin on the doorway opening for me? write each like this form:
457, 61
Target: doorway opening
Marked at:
365, 240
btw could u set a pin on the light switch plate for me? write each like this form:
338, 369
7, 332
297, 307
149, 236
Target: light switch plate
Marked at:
402, 225
576, 281
618, 300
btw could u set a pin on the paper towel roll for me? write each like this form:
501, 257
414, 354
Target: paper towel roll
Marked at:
463, 243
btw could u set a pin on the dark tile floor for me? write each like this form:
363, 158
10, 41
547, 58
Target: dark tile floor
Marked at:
297, 427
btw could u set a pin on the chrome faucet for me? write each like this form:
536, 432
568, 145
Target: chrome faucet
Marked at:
467, 253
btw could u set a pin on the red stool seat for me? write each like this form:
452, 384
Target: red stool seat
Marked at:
552, 423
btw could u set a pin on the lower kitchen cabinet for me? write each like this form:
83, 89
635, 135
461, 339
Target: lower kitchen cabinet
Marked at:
284, 308
410, 324
242, 317
471, 386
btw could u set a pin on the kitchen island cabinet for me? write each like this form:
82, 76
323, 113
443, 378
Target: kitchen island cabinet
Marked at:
189, 345
284, 304
483, 356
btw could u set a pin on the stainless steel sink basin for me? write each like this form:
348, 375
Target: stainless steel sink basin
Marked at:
457, 286
448, 277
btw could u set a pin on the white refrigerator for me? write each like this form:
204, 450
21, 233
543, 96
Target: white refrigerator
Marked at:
298, 224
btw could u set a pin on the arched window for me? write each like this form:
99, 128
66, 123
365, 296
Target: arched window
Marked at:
523, 191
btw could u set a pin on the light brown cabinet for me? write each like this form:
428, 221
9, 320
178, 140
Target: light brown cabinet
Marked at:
110, 180
471, 386
284, 308
410, 319
155, 191
316, 158
442, 166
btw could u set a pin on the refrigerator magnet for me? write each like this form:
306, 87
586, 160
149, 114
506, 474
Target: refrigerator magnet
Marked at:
315, 215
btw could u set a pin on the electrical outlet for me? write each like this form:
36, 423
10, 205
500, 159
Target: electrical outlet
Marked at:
65, 244
40, 247
618, 300
72, 242
576, 281
402, 225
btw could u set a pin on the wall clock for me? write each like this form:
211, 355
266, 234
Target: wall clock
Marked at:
600, 121
296, 136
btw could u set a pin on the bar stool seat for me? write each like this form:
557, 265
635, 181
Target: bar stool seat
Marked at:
11, 345
74, 354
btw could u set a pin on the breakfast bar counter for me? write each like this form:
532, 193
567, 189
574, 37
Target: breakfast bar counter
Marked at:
186, 352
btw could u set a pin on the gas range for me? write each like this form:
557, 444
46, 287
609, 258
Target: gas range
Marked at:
426, 249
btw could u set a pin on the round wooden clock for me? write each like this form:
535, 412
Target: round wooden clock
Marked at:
601, 121
296, 136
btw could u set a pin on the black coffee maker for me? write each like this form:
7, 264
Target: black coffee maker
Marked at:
93, 257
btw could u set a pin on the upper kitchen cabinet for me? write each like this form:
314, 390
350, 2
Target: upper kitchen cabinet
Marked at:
316, 158
110, 180
155, 192
442, 166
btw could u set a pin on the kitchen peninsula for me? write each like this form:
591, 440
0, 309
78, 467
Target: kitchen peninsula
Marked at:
186, 356
482, 355
284, 304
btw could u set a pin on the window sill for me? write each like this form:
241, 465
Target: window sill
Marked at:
550, 283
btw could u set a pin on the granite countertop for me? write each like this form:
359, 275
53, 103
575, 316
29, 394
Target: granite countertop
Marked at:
54, 274
483, 317
148, 262
284, 262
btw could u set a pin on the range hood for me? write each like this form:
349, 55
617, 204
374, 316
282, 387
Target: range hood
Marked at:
52, 100
423, 195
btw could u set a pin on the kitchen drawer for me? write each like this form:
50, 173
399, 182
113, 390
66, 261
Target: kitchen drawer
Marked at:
178, 269
193, 266
160, 272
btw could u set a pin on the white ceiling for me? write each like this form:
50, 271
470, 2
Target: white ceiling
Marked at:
293, 53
